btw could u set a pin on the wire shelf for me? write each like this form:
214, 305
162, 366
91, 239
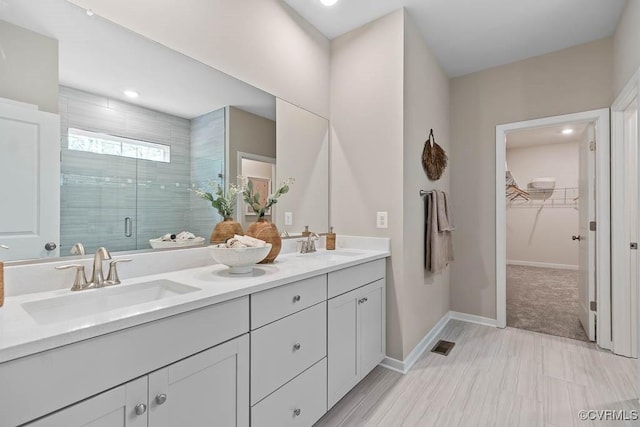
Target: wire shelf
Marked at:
562, 197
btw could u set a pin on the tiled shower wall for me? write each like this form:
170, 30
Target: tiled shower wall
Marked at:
99, 191
207, 165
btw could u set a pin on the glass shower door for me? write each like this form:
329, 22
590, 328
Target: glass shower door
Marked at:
97, 201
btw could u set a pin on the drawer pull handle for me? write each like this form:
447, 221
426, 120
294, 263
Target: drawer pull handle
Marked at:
296, 298
297, 412
296, 346
161, 398
141, 408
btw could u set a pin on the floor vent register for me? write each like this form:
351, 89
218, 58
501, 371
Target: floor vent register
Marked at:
443, 347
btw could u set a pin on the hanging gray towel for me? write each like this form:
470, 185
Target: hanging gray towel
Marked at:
438, 227
445, 218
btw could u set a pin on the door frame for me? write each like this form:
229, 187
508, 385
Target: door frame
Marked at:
620, 286
258, 158
603, 230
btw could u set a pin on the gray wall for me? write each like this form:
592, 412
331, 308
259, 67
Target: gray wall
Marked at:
626, 46
387, 90
567, 81
99, 191
29, 68
248, 133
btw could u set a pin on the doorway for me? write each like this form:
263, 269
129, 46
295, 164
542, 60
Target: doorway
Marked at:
552, 226
543, 215
261, 170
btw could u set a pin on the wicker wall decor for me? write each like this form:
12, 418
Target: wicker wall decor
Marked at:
434, 158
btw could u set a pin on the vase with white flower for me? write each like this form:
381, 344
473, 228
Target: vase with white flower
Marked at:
225, 205
264, 229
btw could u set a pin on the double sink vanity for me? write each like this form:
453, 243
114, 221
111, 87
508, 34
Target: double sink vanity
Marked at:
198, 346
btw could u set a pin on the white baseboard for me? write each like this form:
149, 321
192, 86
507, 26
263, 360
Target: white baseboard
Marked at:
425, 343
403, 366
541, 264
472, 318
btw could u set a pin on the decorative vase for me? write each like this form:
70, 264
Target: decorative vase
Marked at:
225, 230
264, 229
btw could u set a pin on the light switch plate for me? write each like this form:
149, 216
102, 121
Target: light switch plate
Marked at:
382, 219
288, 218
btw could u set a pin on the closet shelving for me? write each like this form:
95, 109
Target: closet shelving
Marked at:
559, 197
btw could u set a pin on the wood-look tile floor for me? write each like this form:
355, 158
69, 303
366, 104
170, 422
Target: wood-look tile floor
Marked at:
495, 377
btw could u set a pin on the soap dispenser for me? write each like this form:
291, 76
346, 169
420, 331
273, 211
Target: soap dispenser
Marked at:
306, 231
2, 278
331, 240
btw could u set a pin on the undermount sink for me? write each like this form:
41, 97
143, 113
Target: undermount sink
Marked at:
328, 254
85, 303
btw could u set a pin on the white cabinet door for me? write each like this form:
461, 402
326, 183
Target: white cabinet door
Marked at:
114, 408
30, 213
342, 345
209, 388
371, 326
355, 337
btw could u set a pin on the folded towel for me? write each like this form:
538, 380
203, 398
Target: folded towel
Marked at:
251, 242
184, 235
438, 243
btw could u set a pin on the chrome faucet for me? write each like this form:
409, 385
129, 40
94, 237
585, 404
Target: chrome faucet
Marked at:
77, 249
309, 245
97, 277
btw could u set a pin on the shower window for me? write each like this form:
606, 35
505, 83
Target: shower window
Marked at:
98, 143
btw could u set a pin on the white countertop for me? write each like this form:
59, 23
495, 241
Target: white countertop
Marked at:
21, 335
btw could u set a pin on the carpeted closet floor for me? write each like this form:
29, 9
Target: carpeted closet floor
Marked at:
544, 300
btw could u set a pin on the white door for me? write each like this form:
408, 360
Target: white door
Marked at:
30, 193
631, 228
209, 388
586, 238
114, 408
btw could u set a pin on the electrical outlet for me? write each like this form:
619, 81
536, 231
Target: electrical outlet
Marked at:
288, 218
382, 219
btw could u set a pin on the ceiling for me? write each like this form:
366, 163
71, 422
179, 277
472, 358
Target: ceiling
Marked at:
546, 135
101, 57
472, 35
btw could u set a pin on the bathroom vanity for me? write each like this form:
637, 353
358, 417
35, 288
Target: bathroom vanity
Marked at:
276, 347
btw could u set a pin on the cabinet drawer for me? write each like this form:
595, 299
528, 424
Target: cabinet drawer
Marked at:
301, 402
342, 281
283, 349
273, 304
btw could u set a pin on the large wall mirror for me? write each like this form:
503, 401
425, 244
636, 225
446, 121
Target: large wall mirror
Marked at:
129, 162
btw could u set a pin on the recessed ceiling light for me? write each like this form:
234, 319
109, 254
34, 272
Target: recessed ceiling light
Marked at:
328, 2
567, 131
90, 12
131, 93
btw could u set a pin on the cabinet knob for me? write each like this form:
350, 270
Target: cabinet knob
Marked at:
297, 412
161, 398
296, 298
141, 408
296, 346
362, 300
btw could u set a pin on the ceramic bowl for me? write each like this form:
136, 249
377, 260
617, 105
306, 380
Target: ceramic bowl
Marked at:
240, 260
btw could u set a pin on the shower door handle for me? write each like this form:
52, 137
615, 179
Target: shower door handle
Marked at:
128, 227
